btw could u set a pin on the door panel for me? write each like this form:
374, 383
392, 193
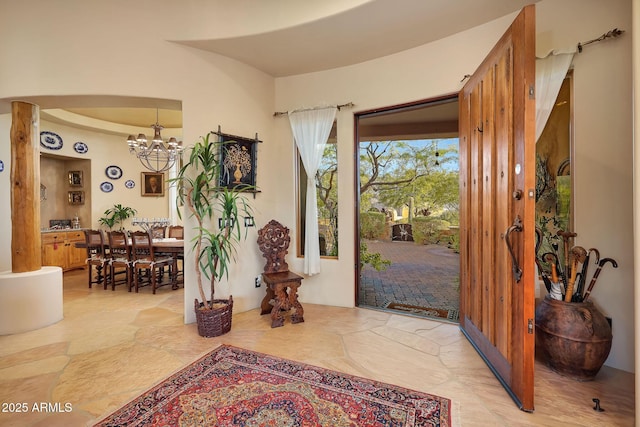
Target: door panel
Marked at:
497, 178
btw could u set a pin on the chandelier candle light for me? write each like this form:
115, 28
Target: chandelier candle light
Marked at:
149, 224
157, 156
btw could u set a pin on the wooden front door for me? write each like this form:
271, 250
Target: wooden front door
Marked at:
497, 198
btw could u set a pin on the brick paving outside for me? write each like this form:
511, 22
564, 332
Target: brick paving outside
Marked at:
421, 275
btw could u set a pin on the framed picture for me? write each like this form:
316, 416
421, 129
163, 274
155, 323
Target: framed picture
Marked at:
76, 197
238, 157
75, 179
152, 184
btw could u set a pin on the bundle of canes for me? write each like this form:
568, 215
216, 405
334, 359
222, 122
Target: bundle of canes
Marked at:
578, 254
566, 236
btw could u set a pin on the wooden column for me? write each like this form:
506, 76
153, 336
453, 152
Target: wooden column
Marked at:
25, 188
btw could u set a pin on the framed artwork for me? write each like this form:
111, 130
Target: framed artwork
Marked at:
152, 184
238, 159
76, 197
75, 179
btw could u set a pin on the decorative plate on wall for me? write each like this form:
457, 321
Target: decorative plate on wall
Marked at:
50, 140
80, 147
130, 183
106, 187
1, 165
114, 172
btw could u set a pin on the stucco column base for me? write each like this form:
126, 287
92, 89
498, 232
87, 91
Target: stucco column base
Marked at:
30, 300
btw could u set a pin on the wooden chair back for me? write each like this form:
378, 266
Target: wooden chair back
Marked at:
95, 245
120, 258
141, 247
176, 231
96, 257
273, 241
119, 248
144, 257
158, 232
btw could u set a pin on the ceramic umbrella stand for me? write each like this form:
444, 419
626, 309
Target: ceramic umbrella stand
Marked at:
574, 339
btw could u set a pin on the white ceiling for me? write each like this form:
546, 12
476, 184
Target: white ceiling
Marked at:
370, 30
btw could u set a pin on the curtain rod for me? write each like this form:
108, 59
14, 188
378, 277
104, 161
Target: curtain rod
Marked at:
339, 106
613, 33
609, 34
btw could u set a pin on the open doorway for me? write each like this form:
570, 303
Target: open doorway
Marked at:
407, 177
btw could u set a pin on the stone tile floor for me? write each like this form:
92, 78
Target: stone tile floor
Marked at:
420, 275
113, 345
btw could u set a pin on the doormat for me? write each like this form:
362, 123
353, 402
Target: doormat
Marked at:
452, 315
235, 387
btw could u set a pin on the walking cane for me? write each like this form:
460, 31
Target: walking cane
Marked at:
601, 264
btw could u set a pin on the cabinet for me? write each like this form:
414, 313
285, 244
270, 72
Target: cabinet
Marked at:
59, 249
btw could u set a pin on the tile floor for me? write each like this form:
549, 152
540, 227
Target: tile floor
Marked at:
111, 346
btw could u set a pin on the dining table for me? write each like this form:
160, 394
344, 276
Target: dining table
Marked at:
170, 246
167, 245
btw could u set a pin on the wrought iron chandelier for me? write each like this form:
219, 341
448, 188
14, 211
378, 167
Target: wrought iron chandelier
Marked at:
157, 156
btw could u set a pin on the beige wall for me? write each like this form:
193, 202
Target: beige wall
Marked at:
79, 48
602, 165
603, 144
104, 150
404, 77
114, 59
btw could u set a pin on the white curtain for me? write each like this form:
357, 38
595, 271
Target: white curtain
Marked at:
311, 130
550, 72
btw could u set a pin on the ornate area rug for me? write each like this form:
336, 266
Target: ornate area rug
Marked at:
452, 315
235, 387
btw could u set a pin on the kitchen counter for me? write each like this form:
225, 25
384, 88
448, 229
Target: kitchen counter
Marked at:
55, 230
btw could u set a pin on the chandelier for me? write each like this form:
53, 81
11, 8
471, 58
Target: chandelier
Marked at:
157, 156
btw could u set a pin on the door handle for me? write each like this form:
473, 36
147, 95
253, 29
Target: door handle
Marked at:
515, 267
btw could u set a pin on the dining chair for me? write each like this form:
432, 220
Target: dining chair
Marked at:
96, 257
144, 258
176, 231
120, 258
158, 232
281, 284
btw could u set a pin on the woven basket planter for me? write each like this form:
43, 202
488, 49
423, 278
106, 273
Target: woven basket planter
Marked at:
214, 322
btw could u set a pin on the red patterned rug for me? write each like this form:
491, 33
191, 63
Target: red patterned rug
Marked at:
235, 387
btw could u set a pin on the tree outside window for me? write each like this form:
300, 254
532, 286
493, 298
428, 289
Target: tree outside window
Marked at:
327, 198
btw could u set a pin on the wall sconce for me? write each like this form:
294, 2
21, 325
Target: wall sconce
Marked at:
249, 221
228, 222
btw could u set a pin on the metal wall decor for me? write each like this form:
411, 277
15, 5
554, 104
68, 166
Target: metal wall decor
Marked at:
238, 157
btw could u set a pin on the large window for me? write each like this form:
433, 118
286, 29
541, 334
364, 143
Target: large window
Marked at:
326, 180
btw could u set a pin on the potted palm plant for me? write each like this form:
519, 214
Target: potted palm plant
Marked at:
216, 211
116, 216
